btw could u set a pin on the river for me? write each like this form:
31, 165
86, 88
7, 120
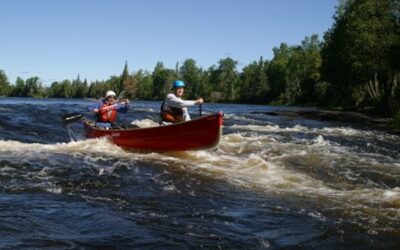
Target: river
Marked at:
274, 181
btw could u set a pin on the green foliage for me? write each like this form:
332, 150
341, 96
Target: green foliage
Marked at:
145, 85
191, 74
79, 89
18, 89
128, 83
162, 81
254, 87
360, 54
356, 66
224, 80
32, 87
97, 89
278, 71
5, 87
294, 72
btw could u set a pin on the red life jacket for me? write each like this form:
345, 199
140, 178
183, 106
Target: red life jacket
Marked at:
171, 114
107, 115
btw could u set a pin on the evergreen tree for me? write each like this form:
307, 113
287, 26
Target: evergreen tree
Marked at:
145, 85
261, 87
128, 84
5, 87
162, 80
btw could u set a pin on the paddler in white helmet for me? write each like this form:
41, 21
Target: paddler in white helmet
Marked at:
107, 109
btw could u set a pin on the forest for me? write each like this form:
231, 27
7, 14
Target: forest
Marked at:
355, 66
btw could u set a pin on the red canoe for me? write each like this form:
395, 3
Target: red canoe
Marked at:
200, 133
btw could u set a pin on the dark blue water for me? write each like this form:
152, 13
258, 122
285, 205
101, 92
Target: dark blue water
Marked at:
274, 181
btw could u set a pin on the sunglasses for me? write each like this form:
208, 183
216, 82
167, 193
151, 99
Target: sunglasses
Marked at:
111, 96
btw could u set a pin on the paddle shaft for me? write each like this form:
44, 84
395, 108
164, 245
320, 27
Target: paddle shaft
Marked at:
76, 117
200, 107
111, 106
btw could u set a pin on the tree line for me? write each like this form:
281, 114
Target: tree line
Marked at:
355, 66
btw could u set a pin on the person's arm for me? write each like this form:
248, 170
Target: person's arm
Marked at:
124, 106
176, 102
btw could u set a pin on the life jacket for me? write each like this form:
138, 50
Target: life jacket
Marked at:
107, 115
171, 114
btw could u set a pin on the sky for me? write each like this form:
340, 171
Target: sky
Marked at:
61, 39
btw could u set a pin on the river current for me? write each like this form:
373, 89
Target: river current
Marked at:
274, 181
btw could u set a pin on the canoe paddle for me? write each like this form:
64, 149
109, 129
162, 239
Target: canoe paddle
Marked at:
200, 109
70, 118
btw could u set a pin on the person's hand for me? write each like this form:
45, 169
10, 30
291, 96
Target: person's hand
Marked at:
200, 101
96, 110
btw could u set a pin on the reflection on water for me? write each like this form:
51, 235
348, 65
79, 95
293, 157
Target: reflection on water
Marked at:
273, 181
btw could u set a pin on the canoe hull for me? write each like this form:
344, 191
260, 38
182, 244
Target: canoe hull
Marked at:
204, 132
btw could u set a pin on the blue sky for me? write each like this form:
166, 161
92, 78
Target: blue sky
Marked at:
59, 39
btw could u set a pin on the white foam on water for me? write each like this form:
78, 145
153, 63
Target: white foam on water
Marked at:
249, 160
260, 162
75, 147
338, 131
238, 118
145, 123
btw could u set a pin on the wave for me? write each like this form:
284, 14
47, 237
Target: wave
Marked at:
261, 162
335, 176
338, 131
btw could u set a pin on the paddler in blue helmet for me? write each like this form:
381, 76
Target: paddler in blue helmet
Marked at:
174, 109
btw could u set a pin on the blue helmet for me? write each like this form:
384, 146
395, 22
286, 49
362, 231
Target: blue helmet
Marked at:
178, 84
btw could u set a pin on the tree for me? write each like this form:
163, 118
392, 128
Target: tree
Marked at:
225, 80
97, 89
128, 84
278, 72
191, 74
145, 85
358, 54
66, 89
18, 90
254, 87
113, 83
304, 63
79, 89
33, 87
162, 80
261, 87
5, 87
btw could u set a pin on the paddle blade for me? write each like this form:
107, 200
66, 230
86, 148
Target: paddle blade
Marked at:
70, 118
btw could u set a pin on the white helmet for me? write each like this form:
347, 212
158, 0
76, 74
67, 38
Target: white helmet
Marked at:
110, 93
